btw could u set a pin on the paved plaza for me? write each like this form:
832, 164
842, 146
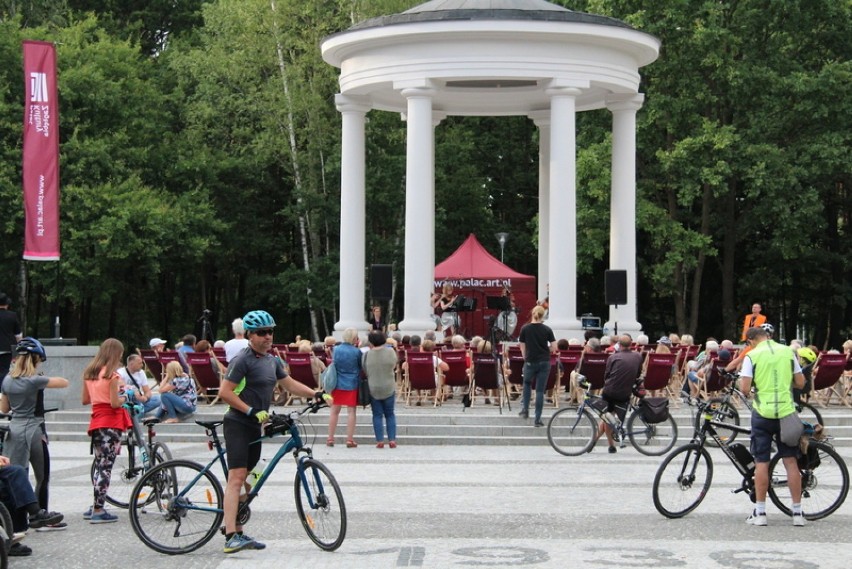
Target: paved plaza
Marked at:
465, 506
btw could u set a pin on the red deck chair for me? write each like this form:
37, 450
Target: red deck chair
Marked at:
299, 367
827, 372
220, 355
152, 362
659, 373
514, 371
420, 374
592, 365
459, 374
206, 377
486, 375
166, 358
568, 361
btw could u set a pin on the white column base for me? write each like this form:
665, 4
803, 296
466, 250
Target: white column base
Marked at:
626, 326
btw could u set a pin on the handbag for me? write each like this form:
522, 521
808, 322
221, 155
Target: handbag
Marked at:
329, 378
364, 392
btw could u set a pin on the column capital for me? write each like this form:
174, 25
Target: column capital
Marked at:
417, 92
540, 118
352, 103
557, 91
625, 102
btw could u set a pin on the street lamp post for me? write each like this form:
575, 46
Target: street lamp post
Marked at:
502, 237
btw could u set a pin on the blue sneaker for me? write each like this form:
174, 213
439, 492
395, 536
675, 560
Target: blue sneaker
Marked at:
238, 542
103, 518
255, 544
87, 515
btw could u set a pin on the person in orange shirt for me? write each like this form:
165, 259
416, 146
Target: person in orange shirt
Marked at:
752, 320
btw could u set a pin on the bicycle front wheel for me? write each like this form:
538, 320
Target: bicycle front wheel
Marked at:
723, 412
319, 503
176, 507
825, 482
809, 414
682, 481
651, 439
571, 431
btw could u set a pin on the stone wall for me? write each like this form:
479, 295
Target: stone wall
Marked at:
68, 362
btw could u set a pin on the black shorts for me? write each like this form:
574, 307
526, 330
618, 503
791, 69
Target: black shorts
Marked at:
617, 406
238, 448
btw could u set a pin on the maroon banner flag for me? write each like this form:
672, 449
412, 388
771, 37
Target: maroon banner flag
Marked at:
41, 153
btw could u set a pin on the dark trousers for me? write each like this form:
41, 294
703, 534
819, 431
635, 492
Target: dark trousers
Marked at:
535, 373
16, 494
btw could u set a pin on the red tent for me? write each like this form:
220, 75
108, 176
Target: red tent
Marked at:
476, 274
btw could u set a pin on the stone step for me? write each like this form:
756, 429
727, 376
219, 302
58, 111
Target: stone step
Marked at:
446, 425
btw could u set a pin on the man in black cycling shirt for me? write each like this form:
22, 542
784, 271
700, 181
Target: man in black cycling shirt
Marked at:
247, 389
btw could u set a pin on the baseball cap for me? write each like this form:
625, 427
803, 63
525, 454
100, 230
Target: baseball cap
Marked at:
156, 342
665, 340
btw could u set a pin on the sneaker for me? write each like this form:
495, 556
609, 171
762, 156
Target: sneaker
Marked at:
20, 550
103, 518
255, 544
44, 518
798, 519
87, 515
539, 424
238, 542
54, 527
524, 414
612, 449
756, 519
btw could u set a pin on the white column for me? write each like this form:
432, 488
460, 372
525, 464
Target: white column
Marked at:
622, 223
352, 212
419, 212
430, 245
542, 121
562, 254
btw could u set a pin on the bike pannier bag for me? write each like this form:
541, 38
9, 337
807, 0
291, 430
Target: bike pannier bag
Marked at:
655, 409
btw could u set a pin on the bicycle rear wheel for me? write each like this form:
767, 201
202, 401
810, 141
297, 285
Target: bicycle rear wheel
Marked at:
319, 503
682, 481
825, 482
723, 412
651, 439
571, 432
809, 414
176, 507
6, 524
126, 471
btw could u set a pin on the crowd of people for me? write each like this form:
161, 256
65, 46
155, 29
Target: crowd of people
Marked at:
252, 369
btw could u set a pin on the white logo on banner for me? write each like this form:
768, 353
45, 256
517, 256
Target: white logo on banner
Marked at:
38, 87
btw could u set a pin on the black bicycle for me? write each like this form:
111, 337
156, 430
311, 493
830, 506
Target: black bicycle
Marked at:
573, 430
176, 507
724, 408
684, 478
140, 455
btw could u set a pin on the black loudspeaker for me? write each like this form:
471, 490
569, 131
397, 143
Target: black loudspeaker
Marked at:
615, 287
381, 277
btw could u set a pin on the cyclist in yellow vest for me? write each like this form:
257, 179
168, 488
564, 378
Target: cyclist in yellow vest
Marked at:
774, 370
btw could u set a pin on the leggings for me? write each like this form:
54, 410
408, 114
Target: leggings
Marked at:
107, 444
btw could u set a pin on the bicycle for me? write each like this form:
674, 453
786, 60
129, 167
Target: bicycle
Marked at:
573, 431
724, 409
684, 477
176, 507
142, 454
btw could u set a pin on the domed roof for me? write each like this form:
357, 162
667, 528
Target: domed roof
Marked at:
444, 10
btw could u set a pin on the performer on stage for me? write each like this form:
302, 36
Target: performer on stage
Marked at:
447, 303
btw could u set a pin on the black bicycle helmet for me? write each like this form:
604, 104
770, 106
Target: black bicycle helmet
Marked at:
31, 346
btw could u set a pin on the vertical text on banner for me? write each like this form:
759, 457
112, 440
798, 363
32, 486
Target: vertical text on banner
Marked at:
41, 153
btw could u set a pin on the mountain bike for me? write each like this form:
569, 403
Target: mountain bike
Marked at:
573, 430
724, 408
140, 454
176, 507
684, 478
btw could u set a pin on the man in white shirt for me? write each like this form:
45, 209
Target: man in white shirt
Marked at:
134, 378
239, 341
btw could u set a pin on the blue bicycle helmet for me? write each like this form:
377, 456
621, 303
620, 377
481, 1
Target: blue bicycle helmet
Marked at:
31, 346
258, 319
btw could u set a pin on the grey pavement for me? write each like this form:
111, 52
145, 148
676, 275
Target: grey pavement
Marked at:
464, 506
